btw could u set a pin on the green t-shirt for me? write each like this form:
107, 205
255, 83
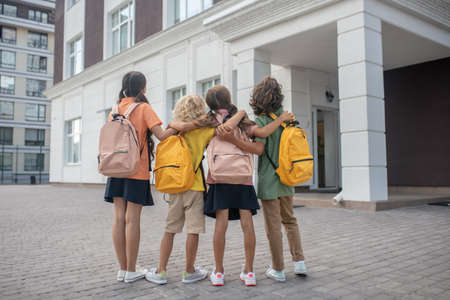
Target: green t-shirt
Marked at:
269, 184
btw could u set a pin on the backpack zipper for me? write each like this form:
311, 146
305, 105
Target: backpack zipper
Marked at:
168, 166
300, 160
227, 154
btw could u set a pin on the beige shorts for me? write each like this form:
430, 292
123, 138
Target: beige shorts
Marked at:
186, 207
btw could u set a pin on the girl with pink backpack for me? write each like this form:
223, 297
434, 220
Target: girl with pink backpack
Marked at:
231, 195
129, 192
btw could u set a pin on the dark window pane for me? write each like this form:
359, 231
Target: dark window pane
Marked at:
6, 135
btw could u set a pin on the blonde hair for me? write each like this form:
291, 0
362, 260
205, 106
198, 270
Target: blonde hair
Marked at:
189, 108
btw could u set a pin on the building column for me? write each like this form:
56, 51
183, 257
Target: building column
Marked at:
252, 66
361, 91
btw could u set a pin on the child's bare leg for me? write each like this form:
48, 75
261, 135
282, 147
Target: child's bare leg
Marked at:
191, 251
219, 237
249, 238
118, 231
133, 234
165, 250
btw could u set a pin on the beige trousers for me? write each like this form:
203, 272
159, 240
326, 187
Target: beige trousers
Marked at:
277, 212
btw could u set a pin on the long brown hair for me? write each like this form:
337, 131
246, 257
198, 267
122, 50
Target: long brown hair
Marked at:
133, 83
219, 97
267, 96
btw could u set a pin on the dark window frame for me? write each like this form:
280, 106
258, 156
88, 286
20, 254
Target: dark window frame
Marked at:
36, 93
38, 162
3, 140
6, 90
2, 9
5, 116
42, 68
8, 41
40, 137
42, 43
7, 65
38, 117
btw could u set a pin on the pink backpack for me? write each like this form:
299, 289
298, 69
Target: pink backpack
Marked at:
228, 163
119, 153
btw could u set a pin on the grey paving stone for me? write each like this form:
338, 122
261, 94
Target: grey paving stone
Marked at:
55, 243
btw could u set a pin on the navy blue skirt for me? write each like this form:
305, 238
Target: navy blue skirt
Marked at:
133, 190
232, 197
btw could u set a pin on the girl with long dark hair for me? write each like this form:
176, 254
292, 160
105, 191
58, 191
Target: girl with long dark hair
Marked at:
130, 194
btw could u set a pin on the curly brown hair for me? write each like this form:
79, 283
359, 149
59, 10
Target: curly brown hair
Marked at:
219, 97
267, 96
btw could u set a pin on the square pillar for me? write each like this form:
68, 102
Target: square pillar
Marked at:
361, 92
252, 66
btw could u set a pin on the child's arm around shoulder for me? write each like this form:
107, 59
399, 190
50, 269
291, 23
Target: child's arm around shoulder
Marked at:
229, 125
154, 124
246, 146
272, 126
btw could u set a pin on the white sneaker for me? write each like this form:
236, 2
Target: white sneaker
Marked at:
300, 268
199, 274
275, 275
155, 277
121, 275
133, 276
217, 279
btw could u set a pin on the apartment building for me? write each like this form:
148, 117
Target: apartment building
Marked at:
365, 78
26, 70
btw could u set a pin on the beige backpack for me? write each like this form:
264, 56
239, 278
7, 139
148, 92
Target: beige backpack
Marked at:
227, 162
119, 153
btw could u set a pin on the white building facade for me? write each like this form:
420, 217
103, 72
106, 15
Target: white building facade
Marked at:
329, 55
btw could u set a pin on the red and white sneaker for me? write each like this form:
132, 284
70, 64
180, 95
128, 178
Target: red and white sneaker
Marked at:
217, 279
248, 278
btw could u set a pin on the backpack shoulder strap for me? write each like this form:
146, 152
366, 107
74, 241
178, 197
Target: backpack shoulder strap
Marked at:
274, 117
270, 160
130, 110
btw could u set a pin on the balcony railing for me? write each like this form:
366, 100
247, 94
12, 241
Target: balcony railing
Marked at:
7, 65
6, 91
36, 69
8, 41
35, 93
15, 168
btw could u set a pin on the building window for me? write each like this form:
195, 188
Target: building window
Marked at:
35, 112
6, 110
33, 162
71, 3
6, 135
7, 84
38, 16
184, 9
206, 85
122, 28
7, 59
8, 10
8, 35
36, 63
34, 137
73, 141
75, 57
6, 161
176, 94
37, 40
36, 87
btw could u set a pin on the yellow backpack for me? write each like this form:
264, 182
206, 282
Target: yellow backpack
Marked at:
295, 162
174, 172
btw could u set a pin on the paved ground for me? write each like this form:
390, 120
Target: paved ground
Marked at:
56, 244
